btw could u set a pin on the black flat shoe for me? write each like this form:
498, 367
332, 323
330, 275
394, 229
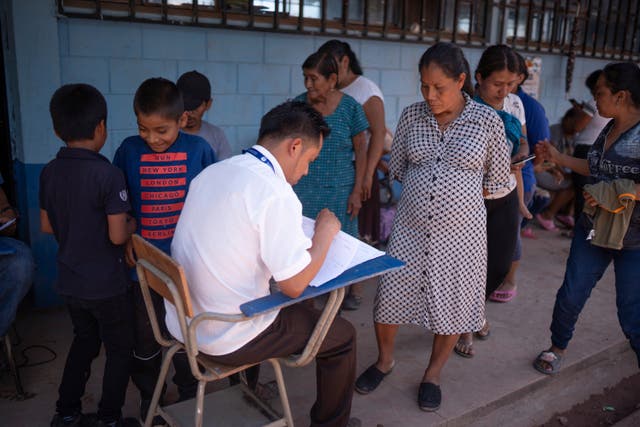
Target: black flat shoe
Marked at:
429, 397
370, 379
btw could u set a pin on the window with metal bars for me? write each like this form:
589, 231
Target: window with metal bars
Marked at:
598, 28
464, 21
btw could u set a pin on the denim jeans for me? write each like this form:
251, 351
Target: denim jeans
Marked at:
517, 253
105, 321
585, 266
16, 275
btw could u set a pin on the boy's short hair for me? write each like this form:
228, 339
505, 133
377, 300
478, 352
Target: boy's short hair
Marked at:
293, 119
158, 96
76, 110
195, 89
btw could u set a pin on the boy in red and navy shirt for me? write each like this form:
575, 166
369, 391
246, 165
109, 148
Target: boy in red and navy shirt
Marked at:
158, 165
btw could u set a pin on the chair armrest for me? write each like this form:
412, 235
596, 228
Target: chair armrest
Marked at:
278, 300
313, 344
207, 316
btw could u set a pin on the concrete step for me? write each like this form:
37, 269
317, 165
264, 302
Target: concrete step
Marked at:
534, 403
632, 420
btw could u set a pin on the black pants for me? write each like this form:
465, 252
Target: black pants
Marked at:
369, 216
95, 322
579, 181
503, 226
335, 361
148, 353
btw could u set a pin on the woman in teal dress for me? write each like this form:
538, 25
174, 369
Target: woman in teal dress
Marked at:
336, 177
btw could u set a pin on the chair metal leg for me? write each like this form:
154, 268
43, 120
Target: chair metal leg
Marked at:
199, 403
283, 392
164, 370
20, 394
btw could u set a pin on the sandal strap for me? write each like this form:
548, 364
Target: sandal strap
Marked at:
549, 357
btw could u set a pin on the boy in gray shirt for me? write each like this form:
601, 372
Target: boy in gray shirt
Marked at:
196, 92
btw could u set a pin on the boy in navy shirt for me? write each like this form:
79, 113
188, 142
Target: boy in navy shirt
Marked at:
84, 203
159, 164
196, 93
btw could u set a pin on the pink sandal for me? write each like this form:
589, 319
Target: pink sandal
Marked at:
503, 296
547, 224
566, 220
528, 233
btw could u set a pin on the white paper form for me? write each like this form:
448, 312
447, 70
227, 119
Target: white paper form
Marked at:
345, 252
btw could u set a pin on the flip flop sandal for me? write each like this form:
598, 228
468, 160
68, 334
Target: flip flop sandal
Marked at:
547, 224
550, 358
503, 296
370, 379
483, 334
464, 344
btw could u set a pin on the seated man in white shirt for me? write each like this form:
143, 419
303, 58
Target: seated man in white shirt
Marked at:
241, 225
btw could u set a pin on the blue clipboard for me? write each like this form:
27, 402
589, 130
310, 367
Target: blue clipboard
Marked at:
358, 273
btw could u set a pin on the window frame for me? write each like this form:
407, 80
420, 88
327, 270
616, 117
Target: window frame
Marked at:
542, 26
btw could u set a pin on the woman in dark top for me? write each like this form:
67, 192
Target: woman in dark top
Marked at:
614, 155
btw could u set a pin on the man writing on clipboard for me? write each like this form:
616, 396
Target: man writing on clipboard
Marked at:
241, 225
16, 265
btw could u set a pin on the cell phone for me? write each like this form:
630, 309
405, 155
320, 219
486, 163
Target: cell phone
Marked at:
8, 224
523, 160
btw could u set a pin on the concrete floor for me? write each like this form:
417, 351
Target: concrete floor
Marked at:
497, 387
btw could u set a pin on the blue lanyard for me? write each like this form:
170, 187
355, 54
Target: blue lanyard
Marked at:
258, 155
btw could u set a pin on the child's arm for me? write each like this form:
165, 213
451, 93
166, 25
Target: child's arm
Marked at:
524, 211
45, 224
121, 227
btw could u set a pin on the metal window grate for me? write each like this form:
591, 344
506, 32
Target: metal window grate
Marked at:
597, 28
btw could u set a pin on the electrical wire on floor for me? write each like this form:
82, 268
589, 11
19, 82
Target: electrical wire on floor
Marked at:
25, 362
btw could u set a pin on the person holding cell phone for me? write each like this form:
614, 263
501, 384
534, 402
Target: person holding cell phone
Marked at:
614, 155
497, 74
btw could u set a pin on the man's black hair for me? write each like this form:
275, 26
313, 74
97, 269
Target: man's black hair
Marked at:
76, 110
293, 119
158, 96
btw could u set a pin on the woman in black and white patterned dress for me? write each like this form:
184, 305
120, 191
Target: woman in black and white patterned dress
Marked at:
447, 151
